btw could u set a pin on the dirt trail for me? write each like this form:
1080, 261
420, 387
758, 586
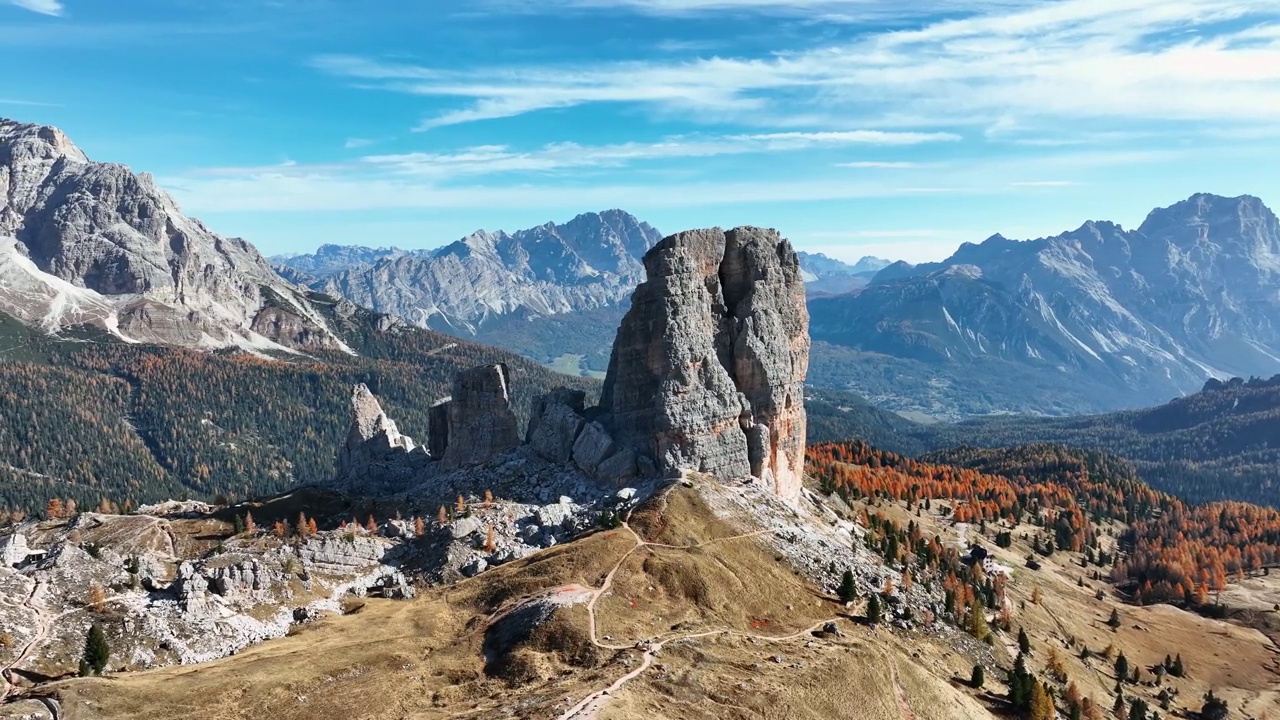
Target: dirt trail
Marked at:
589, 707
44, 623
42, 631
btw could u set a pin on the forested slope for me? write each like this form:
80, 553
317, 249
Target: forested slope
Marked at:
1222, 443
135, 424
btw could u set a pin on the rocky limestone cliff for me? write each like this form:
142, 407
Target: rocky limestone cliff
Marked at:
706, 375
481, 422
374, 440
84, 242
709, 363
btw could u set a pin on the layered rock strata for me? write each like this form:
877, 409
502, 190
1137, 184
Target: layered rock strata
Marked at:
481, 422
706, 375
708, 368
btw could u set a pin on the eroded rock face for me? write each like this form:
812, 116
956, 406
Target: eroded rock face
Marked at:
555, 420
481, 422
438, 429
372, 440
707, 370
85, 242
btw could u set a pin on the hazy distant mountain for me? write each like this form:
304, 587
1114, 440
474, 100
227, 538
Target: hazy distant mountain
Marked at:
827, 276
590, 262
85, 243
329, 260
1096, 318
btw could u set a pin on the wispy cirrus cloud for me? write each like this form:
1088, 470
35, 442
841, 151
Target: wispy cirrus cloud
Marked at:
471, 178
1117, 60
484, 160
850, 10
44, 7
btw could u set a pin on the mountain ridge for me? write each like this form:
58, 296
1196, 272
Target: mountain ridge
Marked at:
92, 243
1138, 316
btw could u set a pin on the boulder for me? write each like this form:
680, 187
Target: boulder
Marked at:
555, 421
593, 445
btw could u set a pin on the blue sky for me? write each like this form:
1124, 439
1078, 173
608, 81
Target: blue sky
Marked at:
854, 126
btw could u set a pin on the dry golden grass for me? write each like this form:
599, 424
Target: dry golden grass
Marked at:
1240, 664
425, 658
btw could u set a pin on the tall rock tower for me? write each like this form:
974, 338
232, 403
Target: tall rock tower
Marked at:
708, 367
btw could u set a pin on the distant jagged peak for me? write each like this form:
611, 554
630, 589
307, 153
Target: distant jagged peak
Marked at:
1206, 208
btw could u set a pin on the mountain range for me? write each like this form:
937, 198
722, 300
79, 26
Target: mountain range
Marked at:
1096, 318
555, 292
827, 276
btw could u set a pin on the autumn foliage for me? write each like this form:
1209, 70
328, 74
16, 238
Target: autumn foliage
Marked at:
1172, 551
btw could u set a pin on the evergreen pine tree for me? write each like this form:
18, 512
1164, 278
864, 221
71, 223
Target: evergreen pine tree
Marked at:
978, 677
96, 651
848, 589
1122, 668
873, 609
1024, 642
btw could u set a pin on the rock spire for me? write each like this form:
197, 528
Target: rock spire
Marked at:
708, 368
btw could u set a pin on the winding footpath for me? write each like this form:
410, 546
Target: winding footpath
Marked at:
589, 707
44, 624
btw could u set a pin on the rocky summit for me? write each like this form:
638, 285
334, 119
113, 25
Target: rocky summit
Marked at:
708, 367
706, 375
85, 243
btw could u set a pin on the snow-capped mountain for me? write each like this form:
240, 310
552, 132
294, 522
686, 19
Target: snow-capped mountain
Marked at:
590, 262
86, 243
1133, 316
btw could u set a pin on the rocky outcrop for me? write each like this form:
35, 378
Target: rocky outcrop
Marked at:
373, 439
90, 243
555, 420
481, 421
706, 375
708, 366
13, 549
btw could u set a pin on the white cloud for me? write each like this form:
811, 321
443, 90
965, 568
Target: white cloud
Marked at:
44, 7
1041, 183
484, 160
426, 181
848, 10
1119, 60
356, 143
